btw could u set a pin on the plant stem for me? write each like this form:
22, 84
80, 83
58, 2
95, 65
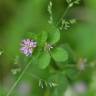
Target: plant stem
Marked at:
19, 78
64, 14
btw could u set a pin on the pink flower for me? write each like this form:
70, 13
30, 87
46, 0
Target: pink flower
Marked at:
80, 87
27, 46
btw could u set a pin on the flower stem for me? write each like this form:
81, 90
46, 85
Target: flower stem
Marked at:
64, 14
19, 78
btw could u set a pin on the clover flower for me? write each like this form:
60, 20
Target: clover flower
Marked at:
80, 87
27, 46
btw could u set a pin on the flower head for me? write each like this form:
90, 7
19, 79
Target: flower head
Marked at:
27, 46
80, 87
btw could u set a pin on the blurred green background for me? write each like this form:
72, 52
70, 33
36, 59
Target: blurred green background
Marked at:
18, 17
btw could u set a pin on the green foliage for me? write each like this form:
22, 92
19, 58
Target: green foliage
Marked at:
54, 36
52, 67
59, 54
42, 38
44, 60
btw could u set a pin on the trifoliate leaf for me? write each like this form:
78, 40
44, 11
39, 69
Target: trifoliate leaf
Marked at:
54, 36
44, 60
59, 54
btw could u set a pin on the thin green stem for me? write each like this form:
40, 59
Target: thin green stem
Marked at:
19, 78
64, 14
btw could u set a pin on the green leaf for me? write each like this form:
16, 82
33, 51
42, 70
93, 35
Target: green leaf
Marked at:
59, 54
44, 60
54, 36
42, 38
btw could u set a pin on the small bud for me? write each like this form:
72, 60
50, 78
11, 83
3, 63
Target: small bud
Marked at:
50, 3
68, 1
48, 47
71, 4
72, 21
1, 52
82, 64
15, 71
